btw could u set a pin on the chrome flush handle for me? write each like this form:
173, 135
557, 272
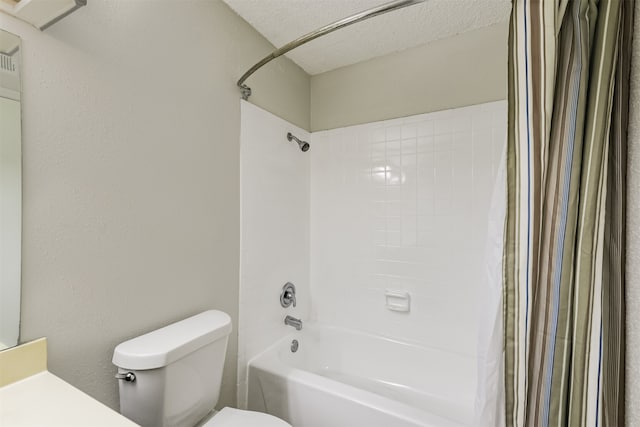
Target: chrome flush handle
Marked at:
288, 295
129, 377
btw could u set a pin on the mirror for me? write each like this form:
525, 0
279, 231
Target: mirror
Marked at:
10, 189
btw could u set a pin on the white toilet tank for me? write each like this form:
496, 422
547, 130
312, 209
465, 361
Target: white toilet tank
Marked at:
178, 371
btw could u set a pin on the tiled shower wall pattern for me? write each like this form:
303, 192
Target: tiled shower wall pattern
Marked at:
274, 241
404, 205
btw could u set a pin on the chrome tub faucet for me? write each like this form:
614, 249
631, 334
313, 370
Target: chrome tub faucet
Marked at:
292, 321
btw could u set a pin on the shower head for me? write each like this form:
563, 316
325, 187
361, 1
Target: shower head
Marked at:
304, 145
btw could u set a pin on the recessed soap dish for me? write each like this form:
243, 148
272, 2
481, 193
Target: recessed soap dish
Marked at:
398, 300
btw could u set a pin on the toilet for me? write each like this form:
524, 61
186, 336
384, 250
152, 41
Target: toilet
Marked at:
171, 377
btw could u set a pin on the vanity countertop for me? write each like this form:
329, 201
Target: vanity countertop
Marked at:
45, 400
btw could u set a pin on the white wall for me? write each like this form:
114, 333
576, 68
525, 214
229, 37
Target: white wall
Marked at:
274, 181
403, 204
466, 69
633, 237
131, 125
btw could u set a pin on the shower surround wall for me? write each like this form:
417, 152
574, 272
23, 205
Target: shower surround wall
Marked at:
403, 205
274, 248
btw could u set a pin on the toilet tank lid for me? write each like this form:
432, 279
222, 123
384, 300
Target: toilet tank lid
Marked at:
166, 345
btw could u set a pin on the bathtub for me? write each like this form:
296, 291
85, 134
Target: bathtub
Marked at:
343, 378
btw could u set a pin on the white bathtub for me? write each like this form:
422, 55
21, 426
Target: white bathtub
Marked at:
343, 378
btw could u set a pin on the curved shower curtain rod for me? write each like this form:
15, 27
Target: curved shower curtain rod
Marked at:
361, 16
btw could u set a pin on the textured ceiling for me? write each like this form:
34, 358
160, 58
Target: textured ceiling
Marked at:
282, 21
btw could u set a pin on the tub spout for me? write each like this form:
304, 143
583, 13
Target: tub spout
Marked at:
292, 321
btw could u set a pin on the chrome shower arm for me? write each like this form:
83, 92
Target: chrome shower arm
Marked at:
361, 16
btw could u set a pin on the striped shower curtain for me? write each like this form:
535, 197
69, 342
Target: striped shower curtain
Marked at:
563, 268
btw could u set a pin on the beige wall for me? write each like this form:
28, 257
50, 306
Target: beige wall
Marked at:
131, 174
633, 236
458, 71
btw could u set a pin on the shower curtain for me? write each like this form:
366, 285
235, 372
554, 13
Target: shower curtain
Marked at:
563, 265
489, 399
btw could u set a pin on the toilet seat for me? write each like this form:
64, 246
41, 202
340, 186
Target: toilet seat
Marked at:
230, 417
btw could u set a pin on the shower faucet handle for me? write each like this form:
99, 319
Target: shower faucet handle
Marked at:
288, 295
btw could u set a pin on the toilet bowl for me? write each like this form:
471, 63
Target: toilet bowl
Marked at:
171, 377
230, 417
